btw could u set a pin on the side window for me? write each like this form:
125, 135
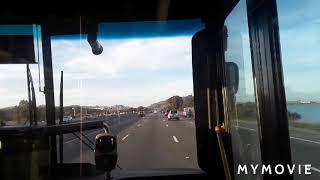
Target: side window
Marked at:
299, 24
241, 102
21, 76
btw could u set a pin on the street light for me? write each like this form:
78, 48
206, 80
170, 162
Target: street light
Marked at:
74, 112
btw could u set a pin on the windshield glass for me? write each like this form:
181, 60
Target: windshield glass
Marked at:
145, 68
143, 65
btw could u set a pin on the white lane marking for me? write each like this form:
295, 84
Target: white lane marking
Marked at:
306, 140
191, 122
315, 169
167, 125
175, 139
139, 125
85, 134
70, 141
246, 128
125, 137
187, 157
292, 137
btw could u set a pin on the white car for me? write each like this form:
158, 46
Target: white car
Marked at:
67, 118
173, 114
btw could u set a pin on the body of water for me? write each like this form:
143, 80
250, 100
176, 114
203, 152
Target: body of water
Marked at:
309, 112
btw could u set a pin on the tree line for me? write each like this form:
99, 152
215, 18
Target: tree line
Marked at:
19, 114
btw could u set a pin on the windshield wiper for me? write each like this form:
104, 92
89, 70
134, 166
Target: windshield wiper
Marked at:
33, 117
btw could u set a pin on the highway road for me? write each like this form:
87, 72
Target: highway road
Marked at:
154, 142
143, 143
305, 147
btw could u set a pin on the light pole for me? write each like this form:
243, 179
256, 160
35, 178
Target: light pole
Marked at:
74, 112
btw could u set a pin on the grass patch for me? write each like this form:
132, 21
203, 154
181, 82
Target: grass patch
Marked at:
313, 126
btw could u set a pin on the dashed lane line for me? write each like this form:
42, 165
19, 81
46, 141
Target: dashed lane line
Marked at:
175, 139
125, 137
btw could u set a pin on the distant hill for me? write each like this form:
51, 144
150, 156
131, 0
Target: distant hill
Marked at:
174, 102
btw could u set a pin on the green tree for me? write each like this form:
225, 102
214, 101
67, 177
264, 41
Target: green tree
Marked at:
20, 113
293, 116
175, 102
140, 108
188, 101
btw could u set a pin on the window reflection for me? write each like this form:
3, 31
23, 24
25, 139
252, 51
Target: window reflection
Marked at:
241, 104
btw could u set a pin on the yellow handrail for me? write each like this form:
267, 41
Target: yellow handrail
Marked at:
226, 168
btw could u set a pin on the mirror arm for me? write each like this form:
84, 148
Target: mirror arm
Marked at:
106, 128
86, 137
83, 141
92, 39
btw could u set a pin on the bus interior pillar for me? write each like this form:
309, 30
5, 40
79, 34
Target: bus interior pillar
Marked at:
49, 93
207, 63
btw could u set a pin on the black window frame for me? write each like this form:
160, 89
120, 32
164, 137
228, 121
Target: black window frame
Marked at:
273, 130
270, 92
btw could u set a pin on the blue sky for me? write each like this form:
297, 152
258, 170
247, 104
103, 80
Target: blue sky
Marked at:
142, 63
135, 71
299, 23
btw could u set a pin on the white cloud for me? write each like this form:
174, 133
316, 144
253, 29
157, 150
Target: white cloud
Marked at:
135, 96
12, 72
105, 77
120, 56
121, 59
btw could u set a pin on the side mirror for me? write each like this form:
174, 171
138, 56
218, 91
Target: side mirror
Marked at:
17, 44
92, 38
232, 77
105, 152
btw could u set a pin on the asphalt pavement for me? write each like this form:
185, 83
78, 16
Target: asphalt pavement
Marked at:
154, 142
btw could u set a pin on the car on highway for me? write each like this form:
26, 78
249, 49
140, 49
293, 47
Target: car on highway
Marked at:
67, 119
173, 115
141, 114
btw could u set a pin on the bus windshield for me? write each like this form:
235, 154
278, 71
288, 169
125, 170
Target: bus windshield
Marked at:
145, 68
